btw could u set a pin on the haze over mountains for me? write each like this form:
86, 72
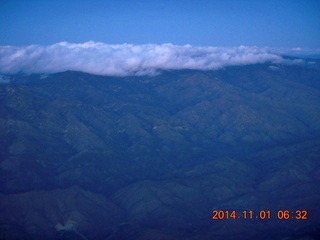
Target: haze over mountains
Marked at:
150, 156
130, 59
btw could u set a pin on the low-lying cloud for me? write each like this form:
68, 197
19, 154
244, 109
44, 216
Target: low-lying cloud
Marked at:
126, 59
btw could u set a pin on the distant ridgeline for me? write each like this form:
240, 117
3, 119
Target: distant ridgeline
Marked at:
151, 157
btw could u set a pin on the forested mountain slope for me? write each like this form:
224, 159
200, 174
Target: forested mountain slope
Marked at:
150, 157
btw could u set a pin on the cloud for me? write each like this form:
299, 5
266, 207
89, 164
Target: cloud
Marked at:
298, 52
126, 59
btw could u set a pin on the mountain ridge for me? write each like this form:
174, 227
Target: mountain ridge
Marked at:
154, 146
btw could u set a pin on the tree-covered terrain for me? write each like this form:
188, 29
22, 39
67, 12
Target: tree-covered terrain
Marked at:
150, 157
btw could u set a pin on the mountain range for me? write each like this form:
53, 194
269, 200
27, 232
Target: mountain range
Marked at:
84, 156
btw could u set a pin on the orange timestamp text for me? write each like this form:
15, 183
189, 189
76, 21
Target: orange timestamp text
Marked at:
261, 214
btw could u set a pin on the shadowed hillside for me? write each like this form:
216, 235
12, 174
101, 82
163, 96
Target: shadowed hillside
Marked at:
150, 157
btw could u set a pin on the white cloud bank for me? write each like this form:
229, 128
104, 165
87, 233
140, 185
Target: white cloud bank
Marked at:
126, 59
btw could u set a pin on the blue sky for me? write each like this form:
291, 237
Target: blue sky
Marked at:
281, 23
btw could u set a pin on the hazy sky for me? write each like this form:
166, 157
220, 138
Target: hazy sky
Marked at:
272, 23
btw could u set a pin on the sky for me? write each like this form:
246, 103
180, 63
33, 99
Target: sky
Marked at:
140, 37
227, 23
